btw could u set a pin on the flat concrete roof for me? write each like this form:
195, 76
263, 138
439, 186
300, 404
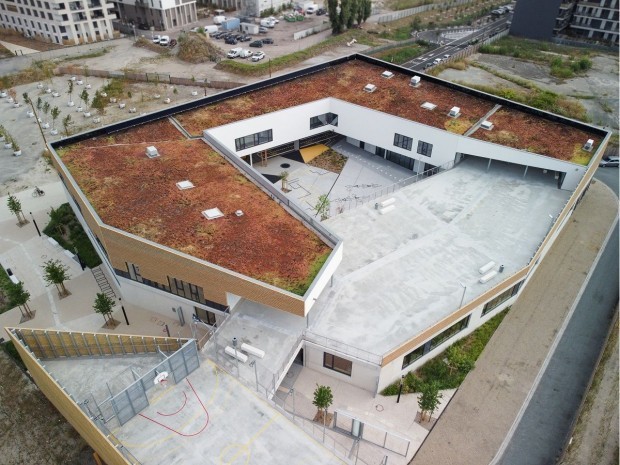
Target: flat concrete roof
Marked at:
400, 271
208, 418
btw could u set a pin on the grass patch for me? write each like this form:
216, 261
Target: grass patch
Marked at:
537, 98
282, 62
65, 228
38, 71
5, 52
329, 160
458, 125
404, 4
580, 156
401, 55
464, 352
95, 54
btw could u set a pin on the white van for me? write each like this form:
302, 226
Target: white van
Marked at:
267, 23
165, 41
234, 53
219, 19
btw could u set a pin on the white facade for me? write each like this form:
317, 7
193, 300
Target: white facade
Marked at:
364, 124
61, 22
160, 15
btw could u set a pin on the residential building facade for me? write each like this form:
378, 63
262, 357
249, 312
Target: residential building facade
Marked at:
61, 22
160, 15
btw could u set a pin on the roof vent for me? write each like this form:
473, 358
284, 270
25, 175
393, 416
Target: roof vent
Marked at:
486, 125
212, 213
182, 185
455, 112
239, 213
387, 74
370, 88
429, 106
589, 145
415, 81
152, 152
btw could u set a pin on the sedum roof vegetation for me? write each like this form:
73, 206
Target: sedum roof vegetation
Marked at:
139, 195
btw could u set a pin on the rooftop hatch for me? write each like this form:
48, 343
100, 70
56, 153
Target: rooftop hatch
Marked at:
415, 81
370, 88
182, 185
429, 106
387, 74
212, 213
152, 152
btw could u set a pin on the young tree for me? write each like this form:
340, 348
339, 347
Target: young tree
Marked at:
66, 123
46, 108
12, 94
55, 114
323, 398
19, 297
39, 103
104, 305
354, 6
367, 6
284, 178
70, 91
84, 97
457, 360
99, 103
15, 207
429, 399
26, 98
56, 273
322, 207
345, 12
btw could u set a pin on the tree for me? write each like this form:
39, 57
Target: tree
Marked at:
457, 360
367, 6
19, 297
13, 95
26, 98
46, 108
323, 398
15, 206
104, 305
345, 12
334, 17
56, 273
284, 178
40, 103
55, 114
84, 97
70, 91
353, 9
99, 103
322, 207
66, 123
429, 399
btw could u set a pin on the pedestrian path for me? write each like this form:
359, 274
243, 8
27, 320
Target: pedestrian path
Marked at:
482, 412
17, 49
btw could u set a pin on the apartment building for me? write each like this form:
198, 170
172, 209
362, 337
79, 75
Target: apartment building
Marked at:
160, 15
592, 21
61, 22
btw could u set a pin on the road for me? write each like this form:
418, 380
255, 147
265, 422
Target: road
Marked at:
546, 424
488, 30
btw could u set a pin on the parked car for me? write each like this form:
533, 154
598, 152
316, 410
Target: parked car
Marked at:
258, 56
446, 56
164, 41
310, 10
231, 40
156, 39
234, 53
246, 53
256, 43
267, 40
173, 43
321, 11
609, 162
143, 26
263, 30
245, 38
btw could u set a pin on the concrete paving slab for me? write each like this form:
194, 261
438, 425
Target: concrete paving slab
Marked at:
441, 232
482, 412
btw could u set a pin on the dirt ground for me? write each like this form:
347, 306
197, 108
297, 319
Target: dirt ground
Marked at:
595, 438
31, 429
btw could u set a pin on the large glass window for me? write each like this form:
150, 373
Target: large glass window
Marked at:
503, 297
253, 140
399, 159
413, 356
341, 365
424, 148
323, 120
403, 142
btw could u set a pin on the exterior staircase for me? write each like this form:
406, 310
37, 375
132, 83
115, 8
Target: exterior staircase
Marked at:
103, 283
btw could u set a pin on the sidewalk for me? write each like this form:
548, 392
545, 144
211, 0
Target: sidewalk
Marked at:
481, 413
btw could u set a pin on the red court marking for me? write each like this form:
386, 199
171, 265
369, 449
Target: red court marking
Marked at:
182, 406
177, 432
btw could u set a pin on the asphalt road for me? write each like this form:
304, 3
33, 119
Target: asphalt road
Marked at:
488, 30
546, 424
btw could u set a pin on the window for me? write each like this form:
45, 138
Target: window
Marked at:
399, 159
134, 272
448, 333
424, 148
413, 356
338, 364
503, 297
206, 316
253, 140
403, 142
323, 120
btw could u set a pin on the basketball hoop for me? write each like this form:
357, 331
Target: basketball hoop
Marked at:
161, 379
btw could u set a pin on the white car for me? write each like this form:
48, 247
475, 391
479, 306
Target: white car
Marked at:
164, 41
258, 56
156, 39
246, 53
234, 53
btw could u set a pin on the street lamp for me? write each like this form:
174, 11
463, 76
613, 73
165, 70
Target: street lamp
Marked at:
400, 388
463, 296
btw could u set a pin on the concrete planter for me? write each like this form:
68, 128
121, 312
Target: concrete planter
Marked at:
53, 132
17, 153
70, 104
